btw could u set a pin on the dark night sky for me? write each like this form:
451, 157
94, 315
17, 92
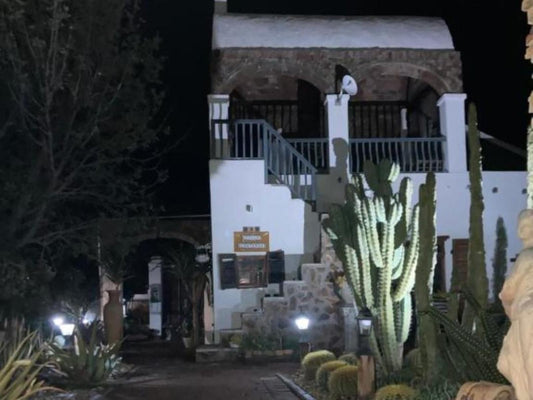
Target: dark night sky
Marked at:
490, 35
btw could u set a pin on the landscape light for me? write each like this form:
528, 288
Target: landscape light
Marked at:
58, 321
67, 329
302, 323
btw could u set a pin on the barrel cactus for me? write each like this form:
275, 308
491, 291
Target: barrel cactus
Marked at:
343, 383
396, 392
312, 361
377, 240
349, 358
323, 372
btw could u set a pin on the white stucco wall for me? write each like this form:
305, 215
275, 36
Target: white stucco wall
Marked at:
297, 31
453, 210
292, 225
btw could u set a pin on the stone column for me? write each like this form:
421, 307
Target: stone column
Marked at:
155, 293
338, 130
452, 126
218, 125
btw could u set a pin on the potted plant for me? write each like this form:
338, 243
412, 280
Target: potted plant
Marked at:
235, 341
113, 263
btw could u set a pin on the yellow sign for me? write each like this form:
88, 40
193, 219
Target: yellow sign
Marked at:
251, 241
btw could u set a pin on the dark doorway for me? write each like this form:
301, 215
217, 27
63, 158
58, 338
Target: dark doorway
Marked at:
310, 108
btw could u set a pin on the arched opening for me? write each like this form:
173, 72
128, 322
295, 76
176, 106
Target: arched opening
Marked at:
292, 106
389, 106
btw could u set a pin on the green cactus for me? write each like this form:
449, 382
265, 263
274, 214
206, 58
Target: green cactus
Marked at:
396, 392
312, 361
427, 329
477, 281
499, 263
472, 355
324, 371
349, 358
377, 240
343, 383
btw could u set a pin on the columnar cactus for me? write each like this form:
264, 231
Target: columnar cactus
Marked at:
427, 329
477, 280
377, 240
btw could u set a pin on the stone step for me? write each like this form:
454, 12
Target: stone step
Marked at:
213, 353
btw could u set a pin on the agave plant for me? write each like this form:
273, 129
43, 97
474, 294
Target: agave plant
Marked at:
19, 373
89, 363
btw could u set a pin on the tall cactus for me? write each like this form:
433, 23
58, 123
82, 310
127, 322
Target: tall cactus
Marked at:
477, 280
499, 262
427, 329
377, 239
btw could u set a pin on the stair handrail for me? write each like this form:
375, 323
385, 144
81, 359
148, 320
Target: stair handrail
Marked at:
284, 162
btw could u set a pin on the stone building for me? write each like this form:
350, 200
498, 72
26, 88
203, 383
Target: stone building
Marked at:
285, 138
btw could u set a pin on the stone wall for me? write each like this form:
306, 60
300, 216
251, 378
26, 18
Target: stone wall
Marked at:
314, 295
236, 67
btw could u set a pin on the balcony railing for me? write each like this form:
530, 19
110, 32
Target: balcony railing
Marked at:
314, 150
255, 139
413, 154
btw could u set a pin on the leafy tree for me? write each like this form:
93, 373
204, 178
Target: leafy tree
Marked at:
79, 90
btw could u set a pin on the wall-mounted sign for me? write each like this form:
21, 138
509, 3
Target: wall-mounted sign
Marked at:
251, 241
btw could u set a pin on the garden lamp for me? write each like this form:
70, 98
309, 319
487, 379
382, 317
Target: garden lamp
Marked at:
302, 323
364, 326
366, 373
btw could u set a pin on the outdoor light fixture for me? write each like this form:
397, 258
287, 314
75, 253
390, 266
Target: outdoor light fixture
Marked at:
302, 323
67, 329
364, 326
366, 372
202, 255
58, 321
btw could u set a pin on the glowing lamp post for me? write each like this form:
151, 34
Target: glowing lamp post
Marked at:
366, 374
302, 323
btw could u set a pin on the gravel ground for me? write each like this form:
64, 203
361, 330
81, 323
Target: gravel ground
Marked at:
159, 375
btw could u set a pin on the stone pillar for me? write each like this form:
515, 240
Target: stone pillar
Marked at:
155, 293
338, 130
218, 127
452, 126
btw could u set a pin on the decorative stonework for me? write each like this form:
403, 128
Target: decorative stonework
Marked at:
314, 296
233, 67
516, 357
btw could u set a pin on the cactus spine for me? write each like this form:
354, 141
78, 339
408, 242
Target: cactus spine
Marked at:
377, 238
427, 330
477, 281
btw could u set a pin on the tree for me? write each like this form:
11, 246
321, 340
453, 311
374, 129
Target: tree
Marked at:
194, 278
79, 92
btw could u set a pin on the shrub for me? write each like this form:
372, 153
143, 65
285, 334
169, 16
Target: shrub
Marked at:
18, 374
396, 392
312, 361
323, 372
349, 358
343, 382
89, 365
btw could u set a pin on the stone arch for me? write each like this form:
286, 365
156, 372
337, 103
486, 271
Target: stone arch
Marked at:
240, 74
433, 79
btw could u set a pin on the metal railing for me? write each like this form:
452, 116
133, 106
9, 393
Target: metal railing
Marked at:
413, 154
255, 139
382, 119
284, 115
314, 150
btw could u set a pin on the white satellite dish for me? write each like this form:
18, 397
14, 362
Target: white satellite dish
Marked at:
349, 85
